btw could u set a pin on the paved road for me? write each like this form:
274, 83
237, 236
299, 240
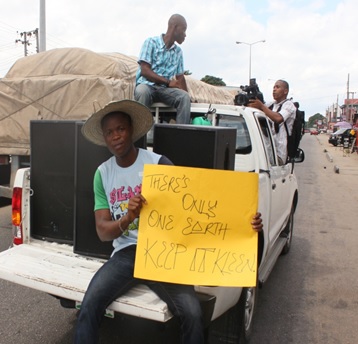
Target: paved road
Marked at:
312, 294
310, 297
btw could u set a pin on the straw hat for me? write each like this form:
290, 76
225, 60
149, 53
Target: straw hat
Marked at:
142, 120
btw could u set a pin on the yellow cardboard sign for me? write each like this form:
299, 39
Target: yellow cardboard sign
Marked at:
196, 228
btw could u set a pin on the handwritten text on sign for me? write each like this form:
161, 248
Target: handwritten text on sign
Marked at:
196, 227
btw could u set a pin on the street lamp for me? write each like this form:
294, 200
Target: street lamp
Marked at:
251, 44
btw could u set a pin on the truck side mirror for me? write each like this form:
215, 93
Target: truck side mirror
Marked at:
300, 155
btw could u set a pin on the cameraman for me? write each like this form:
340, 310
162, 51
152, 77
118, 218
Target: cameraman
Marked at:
279, 111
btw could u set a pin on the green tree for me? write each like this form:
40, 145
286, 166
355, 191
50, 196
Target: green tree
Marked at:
312, 121
212, 80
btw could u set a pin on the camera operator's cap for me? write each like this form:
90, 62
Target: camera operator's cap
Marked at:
142, 120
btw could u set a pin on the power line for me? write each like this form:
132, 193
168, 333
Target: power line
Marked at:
57, 42
7, 28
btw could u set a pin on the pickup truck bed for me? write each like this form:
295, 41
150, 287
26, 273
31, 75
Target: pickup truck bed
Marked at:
56, 270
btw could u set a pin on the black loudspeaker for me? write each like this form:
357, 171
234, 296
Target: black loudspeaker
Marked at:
63, 164
52, 180
196, 146
88, 157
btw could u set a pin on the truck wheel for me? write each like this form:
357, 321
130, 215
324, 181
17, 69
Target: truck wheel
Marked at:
288, 232
235, 326
247, 301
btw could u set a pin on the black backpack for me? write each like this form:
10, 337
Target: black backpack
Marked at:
298, 129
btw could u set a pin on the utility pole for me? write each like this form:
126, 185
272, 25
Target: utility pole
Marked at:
250, 45
347, 99
42, 45
25, 36
348, 87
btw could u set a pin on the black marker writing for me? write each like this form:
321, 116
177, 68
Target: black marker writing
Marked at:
199, 206
211, 228
155, 219
163, 182
167, 256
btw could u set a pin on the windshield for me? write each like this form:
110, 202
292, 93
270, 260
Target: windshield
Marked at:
243, 142
340, 131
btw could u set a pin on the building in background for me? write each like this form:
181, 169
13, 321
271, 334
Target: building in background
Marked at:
349, 110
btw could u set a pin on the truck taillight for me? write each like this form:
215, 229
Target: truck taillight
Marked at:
16, 216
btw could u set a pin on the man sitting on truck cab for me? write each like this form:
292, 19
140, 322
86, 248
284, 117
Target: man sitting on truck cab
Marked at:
118, 201
160, 75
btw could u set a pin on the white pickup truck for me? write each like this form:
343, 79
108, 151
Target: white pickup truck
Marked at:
55, 247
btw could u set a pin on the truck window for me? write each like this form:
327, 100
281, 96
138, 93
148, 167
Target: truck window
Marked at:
243, 141
267, 140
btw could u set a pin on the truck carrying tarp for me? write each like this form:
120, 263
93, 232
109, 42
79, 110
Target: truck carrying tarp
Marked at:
70, 84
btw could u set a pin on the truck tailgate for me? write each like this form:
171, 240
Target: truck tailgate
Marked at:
54, 268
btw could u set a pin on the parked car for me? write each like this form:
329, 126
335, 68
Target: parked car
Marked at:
314, 132
337, 138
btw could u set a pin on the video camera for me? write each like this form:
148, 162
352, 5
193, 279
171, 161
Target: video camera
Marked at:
249, 92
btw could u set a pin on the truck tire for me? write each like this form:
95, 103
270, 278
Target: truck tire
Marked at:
288, 232
235, 326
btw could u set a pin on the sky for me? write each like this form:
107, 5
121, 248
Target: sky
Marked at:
308, 43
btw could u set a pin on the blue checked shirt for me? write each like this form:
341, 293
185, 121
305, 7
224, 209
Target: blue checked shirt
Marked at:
164, 62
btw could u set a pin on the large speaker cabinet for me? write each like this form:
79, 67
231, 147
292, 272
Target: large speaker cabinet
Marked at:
196, 146
63, 164
52, 180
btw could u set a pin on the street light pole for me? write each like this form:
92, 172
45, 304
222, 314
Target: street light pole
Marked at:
250, 45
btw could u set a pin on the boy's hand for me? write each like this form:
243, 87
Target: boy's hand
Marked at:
256, 222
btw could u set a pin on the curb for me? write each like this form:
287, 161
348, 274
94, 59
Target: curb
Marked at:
329, 156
